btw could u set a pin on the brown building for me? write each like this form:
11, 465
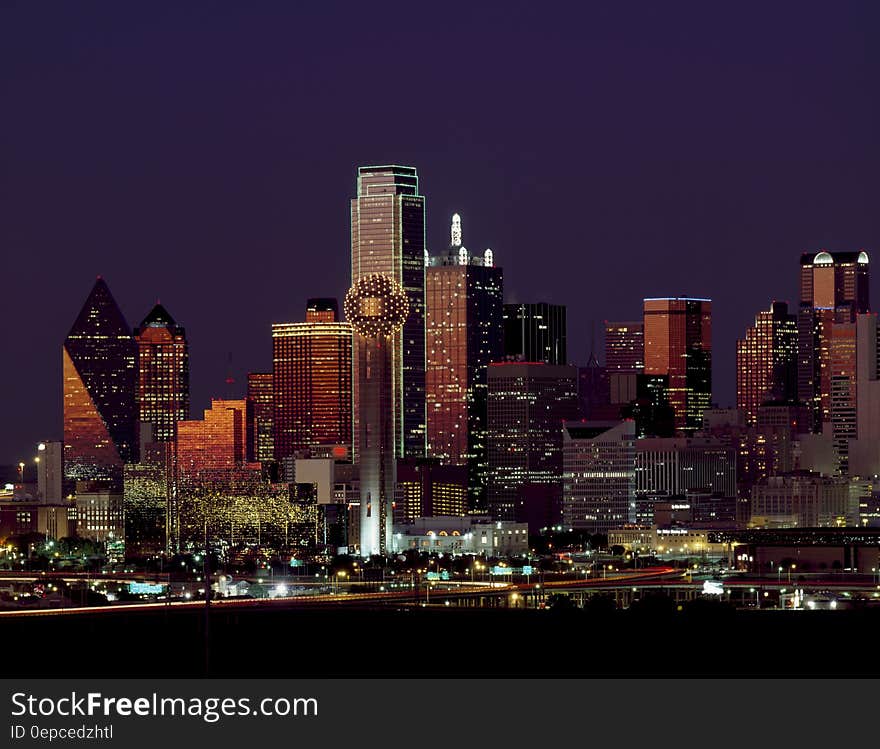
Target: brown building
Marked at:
163, 374
312, 369
222, 440
766, 361
678, 343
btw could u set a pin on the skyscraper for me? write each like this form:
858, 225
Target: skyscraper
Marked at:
99, 375
388, 237
678, 343
833, 289
463, 319
311, 381
163, 374
535, 333
527, 404
625, 347
260, 392
766, 361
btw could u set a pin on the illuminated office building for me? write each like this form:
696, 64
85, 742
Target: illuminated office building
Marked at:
388, 237
427, 488
311, 381
625, 347
220, 441
678, 343
163, 374
527, 404
463, 320
50, 471
377, 308
260, 392
766, 361
598, 474
535, 333
833, 289
844, 421
99, 376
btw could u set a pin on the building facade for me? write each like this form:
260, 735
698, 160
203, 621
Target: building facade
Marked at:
163, 374
766, 361
463, 318
598, 474
388, 237
312, 383
678, 343
261, 393
99, 379
528, 403
625, 347
535, 333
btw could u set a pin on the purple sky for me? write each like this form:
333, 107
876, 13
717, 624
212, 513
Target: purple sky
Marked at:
606, 152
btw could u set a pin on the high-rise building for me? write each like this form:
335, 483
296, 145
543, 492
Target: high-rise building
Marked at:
220, 441
598, 474
427, 488
322, 309
463, 320
766, 361
260, 391
674, 466
535, 333
388, 237
99, 375
625, 347
678, 343
163, 374
844, 422
311, 381
833, 289
528, 403
376, 307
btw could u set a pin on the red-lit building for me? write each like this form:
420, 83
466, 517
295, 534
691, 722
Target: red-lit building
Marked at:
163, 374
766, 361
221, 441
312, 381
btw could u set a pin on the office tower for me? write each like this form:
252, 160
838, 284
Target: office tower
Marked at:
311, 381
844, 426
625, 347
463, 321
50, 471
100, 374
802, 499
99, 512
833, 289
260, 392
377, 308
678, 343
388, 237
594, 392
527, 404
149, 502
766, 361
322, 309
598, 474
163, 374
673, 466
220, 441
427, 488
535, 333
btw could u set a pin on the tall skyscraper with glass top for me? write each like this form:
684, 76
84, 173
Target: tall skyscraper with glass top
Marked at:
388, 237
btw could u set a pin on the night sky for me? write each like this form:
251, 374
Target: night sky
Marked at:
205, 155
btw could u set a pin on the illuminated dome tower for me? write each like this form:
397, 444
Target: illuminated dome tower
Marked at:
376, 306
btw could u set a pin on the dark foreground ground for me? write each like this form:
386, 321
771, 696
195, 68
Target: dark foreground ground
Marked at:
350, 642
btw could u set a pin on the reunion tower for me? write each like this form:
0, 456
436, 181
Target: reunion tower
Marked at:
377, 307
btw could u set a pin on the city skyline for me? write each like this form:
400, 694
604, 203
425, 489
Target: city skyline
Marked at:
239, 188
